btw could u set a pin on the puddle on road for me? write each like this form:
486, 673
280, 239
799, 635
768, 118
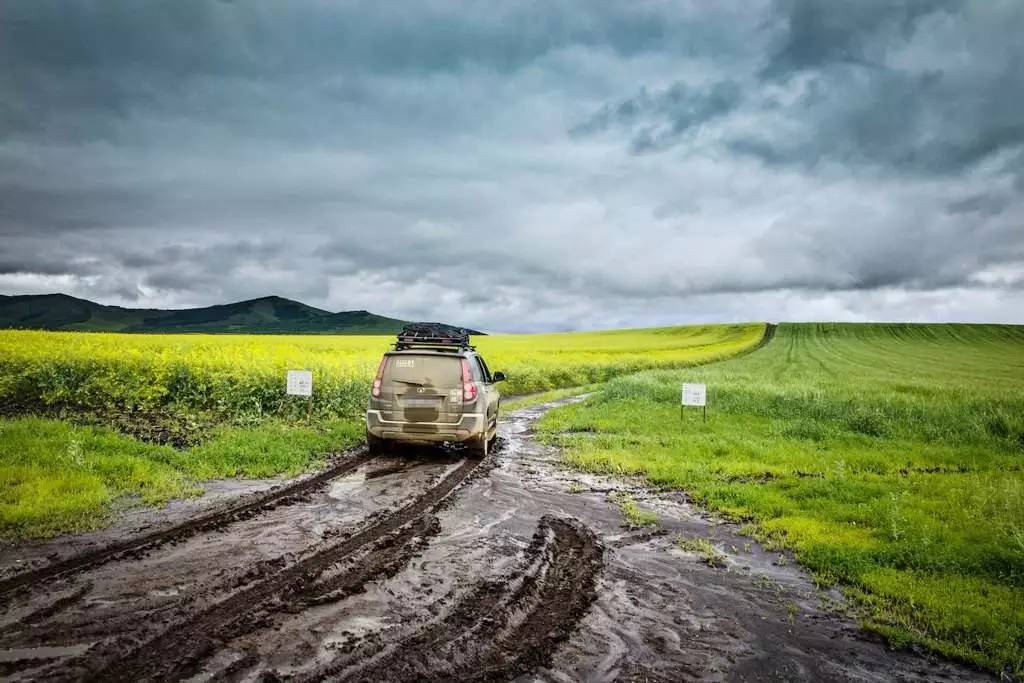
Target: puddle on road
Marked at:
43, 652
355, 626
342, 489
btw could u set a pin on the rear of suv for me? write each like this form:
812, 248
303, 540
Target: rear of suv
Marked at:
433, 387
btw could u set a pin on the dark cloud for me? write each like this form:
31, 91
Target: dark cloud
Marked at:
986, 204
42, 257
19, 263
869, 83
87, 71
929, 122
279, 37
543, 166
817, 34
664, 117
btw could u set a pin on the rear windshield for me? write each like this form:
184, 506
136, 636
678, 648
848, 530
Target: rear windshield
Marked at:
425, 370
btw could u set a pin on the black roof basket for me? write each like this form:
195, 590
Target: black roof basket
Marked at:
432, 335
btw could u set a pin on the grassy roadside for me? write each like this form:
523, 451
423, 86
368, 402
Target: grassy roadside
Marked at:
540, 398
712, 353
890, 458
57, 478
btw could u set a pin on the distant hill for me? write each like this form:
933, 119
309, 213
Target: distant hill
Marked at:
267, 315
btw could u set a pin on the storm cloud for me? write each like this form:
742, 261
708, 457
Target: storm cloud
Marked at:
520, 167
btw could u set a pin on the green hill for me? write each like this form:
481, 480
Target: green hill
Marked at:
266, 315
63, 312
352, 322
242, 316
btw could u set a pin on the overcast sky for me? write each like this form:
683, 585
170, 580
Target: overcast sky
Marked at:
520, 166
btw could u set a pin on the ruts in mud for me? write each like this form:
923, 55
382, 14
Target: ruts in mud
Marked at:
425, 564
500, 627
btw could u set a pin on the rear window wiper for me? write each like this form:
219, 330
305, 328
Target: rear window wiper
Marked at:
409, 381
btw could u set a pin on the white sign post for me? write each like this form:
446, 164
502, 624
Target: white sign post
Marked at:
695, 395
300, 383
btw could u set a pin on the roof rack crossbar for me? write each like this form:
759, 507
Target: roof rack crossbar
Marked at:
404, 346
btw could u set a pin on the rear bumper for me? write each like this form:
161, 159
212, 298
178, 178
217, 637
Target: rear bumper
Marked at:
469, 427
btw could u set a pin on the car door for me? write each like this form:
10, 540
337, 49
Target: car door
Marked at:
490, 390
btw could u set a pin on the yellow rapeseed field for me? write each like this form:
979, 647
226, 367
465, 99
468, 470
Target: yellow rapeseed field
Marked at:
242, 376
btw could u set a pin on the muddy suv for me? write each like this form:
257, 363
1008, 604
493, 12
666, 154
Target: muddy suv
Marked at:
433, 387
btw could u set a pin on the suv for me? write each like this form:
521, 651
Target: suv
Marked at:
433, 387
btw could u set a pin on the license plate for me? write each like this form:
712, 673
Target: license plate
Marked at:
420, 402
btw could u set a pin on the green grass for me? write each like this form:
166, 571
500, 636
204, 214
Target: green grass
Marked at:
890, 458
58, 478
705, 549
540, 398
632, 514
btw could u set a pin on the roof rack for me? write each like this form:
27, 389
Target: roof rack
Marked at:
432, 335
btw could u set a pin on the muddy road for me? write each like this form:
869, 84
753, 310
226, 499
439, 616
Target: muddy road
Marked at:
425, 564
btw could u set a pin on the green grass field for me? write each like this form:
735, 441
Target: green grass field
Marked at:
221, 400
890, 458
56, 477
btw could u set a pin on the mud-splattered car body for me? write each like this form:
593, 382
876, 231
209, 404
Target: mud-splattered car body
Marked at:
433, 395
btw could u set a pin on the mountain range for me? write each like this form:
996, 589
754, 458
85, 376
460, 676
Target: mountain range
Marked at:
266, 315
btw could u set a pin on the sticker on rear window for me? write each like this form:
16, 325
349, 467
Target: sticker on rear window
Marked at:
405, 363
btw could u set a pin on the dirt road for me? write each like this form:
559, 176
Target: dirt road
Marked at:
426, 564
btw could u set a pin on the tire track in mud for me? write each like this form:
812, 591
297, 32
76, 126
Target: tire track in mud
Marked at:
18, 666
180, 649
57, 606
388, 556
501, 628
382, 560
216, 519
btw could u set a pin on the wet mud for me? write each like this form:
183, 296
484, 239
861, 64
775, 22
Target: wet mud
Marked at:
427, 564
500, 627
210, 521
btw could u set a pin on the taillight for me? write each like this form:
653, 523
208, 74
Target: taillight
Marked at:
375, 392
468, 388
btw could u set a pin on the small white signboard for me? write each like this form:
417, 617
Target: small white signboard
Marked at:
300, 383
695, 394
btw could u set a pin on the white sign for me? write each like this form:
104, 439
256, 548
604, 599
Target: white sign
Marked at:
300, 383
695, 394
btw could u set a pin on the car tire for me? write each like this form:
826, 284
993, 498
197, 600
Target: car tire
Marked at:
375, 445
479, 448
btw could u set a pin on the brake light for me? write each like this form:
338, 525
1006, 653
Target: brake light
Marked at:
468, 388
375, 392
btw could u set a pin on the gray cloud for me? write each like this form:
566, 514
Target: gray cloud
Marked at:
542, 166
986, 204
871, 83
817, 34
664, 117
